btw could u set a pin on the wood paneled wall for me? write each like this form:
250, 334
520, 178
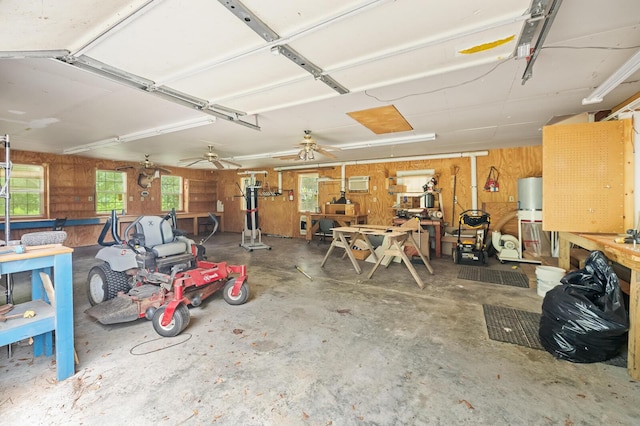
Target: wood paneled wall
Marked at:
71, 191
279, 216
72, 187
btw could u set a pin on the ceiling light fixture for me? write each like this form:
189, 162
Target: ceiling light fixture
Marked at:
614, 80
23, 54
355, 145
143, 134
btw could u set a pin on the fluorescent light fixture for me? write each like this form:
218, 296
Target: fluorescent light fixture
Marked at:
143, 134
631, 106
614, 80
354, 145
388, 141
22, 54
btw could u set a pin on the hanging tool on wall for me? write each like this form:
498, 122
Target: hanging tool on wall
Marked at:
491, 184
454, 172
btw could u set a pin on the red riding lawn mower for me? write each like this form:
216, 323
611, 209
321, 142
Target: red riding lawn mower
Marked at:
155, 273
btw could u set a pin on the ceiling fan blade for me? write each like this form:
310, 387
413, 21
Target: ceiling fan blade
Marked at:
217, 164
124, 167
193, 162
184, 160
231, 163
325, 153
163, 170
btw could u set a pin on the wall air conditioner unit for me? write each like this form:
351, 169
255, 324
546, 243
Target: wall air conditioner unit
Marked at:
358, 184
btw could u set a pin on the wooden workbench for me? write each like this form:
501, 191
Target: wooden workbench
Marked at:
194, 218
47, 319
341, 219
626, 255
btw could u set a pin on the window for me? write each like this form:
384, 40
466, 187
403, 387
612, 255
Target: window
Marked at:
26, 187
308, 192
111, 191
171, 193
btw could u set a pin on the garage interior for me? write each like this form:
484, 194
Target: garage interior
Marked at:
392, 117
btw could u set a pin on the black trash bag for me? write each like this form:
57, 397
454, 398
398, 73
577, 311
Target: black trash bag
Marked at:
584, 319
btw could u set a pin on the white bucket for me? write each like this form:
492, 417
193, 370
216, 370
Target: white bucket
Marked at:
548, 277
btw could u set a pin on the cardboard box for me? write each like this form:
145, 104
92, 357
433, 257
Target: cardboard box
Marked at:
361, 254
449, 242
346, 209
423, 243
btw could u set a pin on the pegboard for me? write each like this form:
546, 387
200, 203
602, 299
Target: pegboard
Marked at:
583, 185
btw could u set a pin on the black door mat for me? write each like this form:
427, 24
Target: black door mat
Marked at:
486, 275
513, 326
521, 328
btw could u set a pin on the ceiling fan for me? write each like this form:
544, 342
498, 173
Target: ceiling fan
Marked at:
211, 157
309, 148
147, 171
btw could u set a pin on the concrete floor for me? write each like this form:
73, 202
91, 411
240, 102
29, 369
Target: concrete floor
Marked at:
335, 350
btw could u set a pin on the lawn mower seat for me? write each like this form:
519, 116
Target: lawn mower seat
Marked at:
158, 235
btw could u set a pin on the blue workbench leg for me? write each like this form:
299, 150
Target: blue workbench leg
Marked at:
43, 343
63, 284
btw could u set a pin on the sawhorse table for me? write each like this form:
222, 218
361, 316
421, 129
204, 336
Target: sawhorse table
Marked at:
397, 240
345, 237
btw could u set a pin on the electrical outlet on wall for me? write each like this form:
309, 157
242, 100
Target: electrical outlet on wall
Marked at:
511, 199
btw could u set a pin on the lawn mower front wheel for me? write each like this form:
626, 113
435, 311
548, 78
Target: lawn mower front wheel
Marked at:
178, 323
242, 296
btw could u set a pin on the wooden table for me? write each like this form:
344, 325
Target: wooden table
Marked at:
345, 237
437, 234
47, 319
623, 254
343, 220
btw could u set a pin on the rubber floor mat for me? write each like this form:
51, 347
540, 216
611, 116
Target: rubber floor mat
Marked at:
512, 326
486, 275
521, 328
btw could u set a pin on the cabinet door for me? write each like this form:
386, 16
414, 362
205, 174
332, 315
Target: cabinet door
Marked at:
586, 169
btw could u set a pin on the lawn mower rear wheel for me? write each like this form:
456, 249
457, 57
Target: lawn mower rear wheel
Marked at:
104, 283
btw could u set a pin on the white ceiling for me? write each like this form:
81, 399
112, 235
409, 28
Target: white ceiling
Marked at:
404, 53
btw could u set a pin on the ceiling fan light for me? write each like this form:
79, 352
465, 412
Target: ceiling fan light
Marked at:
310, 155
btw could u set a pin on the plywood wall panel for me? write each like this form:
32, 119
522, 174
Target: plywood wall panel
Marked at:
71, 190
72, 185
586, 169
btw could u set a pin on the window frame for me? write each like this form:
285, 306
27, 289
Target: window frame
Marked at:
303, 195
40, 171
123, 194
180, 193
